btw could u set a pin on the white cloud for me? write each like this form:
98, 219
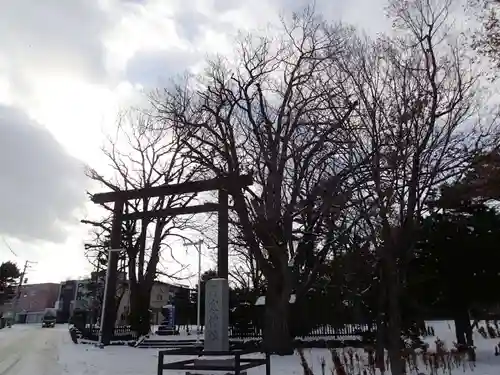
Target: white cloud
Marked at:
78, 112
72, 65
49, 37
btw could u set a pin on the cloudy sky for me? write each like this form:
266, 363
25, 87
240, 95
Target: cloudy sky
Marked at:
68, 67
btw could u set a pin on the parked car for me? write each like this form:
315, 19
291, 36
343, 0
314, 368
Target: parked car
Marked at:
49, 318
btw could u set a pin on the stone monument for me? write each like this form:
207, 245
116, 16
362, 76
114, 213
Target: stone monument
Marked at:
216, 325
216, 315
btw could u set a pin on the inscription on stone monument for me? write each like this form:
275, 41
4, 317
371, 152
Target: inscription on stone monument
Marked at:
216, 315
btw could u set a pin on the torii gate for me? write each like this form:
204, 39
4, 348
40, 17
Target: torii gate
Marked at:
222, 184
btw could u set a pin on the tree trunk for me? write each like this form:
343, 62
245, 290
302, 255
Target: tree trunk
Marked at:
118, 301
463, 332
394, 335
394, 322
140, 296
277, 338
380, 341
381, 337
463, 327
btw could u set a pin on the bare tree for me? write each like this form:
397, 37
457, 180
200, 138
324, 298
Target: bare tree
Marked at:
96, 252
419, 122
486, 40
275, 112
244, 272
141, 158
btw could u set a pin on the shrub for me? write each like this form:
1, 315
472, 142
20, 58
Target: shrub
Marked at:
349, 361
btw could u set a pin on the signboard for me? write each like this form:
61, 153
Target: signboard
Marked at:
168, 316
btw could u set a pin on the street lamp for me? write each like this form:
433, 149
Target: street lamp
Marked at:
103, 308
197, 245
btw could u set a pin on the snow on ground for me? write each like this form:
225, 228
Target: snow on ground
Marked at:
487, 363
121, 360
31, 350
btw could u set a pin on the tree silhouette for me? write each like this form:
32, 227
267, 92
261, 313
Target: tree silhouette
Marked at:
456, 264
9, 277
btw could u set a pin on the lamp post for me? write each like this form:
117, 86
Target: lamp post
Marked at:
197, 245
103, 308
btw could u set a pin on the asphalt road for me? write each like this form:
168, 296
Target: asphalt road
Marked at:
30, 350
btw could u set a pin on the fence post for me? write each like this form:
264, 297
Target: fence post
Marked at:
160, 363
237, 364
268, 364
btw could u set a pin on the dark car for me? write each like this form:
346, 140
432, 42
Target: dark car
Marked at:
49, 319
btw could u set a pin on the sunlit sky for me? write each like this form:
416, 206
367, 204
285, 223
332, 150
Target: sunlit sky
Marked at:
68, 67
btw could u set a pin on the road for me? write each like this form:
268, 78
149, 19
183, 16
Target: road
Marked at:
29, 350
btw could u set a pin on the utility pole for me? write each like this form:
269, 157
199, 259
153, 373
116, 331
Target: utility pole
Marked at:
197, 246
27, 265
104, 308
108, 312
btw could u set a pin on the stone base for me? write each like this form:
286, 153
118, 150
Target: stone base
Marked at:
166, 331
225, 362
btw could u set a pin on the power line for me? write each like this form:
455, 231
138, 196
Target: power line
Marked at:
8, 246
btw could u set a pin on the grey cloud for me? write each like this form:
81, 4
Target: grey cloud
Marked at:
41, 186
365, 14
368, 15
189, 24
153, 68
225, 5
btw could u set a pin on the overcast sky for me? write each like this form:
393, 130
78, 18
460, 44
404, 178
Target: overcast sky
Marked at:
67, 68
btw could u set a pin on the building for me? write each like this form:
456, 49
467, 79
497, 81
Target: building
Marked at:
85, 294
32, 302
82, 294
65, 300
161, 294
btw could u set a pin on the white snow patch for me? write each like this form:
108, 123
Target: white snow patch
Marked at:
28, 350
261, 301
124, 360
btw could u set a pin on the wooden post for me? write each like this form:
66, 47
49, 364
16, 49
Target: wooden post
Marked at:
108, 323
223, 235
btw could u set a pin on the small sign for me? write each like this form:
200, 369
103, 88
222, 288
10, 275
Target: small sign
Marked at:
169, 316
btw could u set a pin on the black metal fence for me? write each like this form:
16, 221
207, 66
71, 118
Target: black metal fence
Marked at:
324, 331
238, 364
121, 333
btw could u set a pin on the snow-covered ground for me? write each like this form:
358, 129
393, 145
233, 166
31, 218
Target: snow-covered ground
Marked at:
31, 350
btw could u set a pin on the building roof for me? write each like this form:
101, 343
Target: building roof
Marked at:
39, 284
156, 282
171, 284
